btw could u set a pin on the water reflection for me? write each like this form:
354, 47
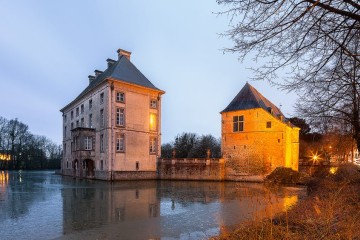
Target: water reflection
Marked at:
50, 206
4, 179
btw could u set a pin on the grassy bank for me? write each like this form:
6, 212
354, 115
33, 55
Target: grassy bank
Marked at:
331, 211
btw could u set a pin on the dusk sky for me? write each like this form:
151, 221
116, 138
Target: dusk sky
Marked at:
48, 48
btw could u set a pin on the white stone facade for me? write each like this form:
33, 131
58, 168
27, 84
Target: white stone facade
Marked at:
123, 121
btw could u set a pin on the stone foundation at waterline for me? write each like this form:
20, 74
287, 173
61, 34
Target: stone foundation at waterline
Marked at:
195, 169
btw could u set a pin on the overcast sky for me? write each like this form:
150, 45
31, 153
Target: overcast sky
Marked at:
48, 48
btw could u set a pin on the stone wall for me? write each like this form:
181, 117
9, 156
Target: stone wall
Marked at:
191, 169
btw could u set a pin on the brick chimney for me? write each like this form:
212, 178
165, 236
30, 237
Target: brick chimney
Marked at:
122, 52
91, 78
110, 62
97, 73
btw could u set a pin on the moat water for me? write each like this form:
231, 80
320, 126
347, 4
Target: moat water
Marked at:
42, 205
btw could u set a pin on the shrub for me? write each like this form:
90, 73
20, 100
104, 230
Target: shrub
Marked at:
283, 175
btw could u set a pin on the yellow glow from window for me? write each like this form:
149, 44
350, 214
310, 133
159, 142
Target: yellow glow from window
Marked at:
4, 157
152, 121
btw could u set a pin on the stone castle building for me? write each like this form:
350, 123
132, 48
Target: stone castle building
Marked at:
256, 136
111, 131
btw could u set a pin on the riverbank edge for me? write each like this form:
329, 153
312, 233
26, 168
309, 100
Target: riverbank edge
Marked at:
330, 211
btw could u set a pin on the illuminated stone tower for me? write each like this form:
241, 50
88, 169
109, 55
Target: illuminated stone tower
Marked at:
256, 137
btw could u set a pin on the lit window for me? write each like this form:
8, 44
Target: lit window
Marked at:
268, 124
88, 143
82, 108
152, 122
152, 145
102, 120
120, 143
153, 103
120, 97
101, 98
238, 123
120, 117
90, 104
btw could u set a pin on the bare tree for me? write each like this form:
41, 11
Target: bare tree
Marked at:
315, 41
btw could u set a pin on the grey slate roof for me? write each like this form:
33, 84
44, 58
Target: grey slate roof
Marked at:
122, 70
249, 98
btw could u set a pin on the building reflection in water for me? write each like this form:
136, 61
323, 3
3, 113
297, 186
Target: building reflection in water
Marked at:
113, 207
173, 209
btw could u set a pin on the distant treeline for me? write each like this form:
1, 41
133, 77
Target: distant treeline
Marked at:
191, 145
20, 149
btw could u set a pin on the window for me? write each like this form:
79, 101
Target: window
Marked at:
238, 123
153, 103
77, 123
120, 97
101, 165
137, 166
72, 115
268, 124
76, 143
101, 143
152, 145
90, 104
120, 117
72, 126
64, 150
102, 120
90, 121
65, 132
72, 146
77, 111
82, 123
152, 122
101, 98
120, 143
82, 108
88, 143
65, 118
